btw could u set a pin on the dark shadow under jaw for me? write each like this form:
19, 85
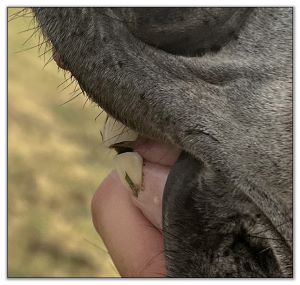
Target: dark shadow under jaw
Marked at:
212, 231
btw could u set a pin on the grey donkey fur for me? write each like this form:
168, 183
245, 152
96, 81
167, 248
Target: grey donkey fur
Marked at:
218, 83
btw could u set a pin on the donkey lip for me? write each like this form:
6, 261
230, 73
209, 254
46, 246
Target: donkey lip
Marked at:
157, 152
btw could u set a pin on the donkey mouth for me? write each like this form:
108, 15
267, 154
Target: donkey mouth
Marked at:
143, 166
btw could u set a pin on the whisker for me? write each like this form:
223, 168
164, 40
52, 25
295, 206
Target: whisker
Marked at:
71, 99
75, 87
118, 135
40, 39
46, 51
106, 120
19, 15
40, 44
48, 61
66, 80
29, 12
114, 123
74, 91
101, 134
87, 99
72, 81
29, 29
32, 35
121, 127
98, 115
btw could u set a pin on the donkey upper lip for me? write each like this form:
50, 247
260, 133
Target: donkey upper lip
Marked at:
150, 150
157, 152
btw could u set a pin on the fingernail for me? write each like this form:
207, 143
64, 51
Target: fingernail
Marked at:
115, 132
129, 167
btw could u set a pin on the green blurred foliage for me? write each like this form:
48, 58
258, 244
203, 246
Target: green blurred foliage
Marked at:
55, 163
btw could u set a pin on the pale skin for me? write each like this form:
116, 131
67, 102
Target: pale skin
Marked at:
131, 227
135, 245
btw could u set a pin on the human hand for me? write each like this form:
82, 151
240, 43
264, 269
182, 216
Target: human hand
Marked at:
131, 226
134, 243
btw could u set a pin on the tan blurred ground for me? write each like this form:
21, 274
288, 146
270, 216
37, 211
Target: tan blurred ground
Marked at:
55, 163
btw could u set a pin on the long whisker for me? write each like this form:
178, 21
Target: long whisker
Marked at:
72, 81
99, 115
46, 51
71, 99
32, 35
29, 29
19, 14
48, 61
87, 99
38, 45
66, 80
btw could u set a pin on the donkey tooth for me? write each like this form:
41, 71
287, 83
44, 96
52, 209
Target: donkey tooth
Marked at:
115, 132
129, 168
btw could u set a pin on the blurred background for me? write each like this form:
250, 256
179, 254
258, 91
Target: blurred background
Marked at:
56, 160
